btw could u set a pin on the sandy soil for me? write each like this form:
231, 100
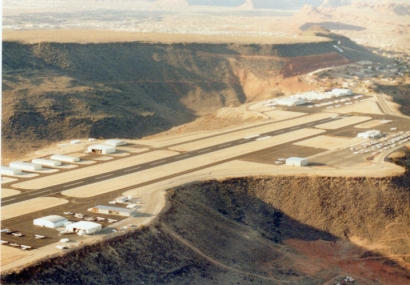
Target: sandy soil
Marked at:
30, 206
101, 36
92, 170
329, 142
337, 124
8, 192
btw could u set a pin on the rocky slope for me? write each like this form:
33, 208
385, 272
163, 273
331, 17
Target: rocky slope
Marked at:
254, 231
57, 91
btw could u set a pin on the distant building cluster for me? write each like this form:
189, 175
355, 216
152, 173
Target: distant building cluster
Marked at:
303, 98
372, 134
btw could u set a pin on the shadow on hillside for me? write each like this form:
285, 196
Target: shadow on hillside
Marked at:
229, 225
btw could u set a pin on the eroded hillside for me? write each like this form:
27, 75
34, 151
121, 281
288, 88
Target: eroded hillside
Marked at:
58, 91
265, 230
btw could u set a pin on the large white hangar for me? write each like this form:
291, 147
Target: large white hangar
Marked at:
65, 158
101, 148
46, 162
84, 228
296, 161
10, 171
52, 221
27, 166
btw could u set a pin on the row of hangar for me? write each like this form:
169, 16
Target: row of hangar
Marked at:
16, 168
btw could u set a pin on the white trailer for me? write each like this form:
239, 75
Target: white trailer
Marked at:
65, 158
27, 166
10, 171
46, 162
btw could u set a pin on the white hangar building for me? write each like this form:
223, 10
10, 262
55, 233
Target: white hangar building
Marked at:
65, 158
27, 166
53, 221
46, 162
84, 228
101, 148
10, 171
115, 142
296, 161
112, 210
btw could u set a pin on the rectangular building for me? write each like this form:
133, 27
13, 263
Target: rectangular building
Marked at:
27, 166
65, 158
10, 171
46, 162
296, 161
112, 210
101, 148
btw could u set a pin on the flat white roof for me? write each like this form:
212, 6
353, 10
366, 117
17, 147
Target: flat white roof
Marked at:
64, 157
114, 208
101, 146
53, 218
296, 158
84, 225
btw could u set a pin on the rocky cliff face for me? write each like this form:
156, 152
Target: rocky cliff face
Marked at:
57, 91
251, 231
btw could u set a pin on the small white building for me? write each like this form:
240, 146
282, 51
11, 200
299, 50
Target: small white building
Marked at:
296, 161
84, 228
10, 171
53, 221
101, 148
75, 142
27, 166
65, 158
113, 142
372, 134
46, 162
112, 210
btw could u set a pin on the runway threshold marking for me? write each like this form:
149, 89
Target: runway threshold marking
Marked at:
104, 176
73, 184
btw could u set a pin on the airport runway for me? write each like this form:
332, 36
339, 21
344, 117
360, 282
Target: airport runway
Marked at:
25, 195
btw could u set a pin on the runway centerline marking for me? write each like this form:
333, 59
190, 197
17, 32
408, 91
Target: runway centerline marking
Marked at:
104, 176
158, 162
262, 138
135, 168
73, 184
